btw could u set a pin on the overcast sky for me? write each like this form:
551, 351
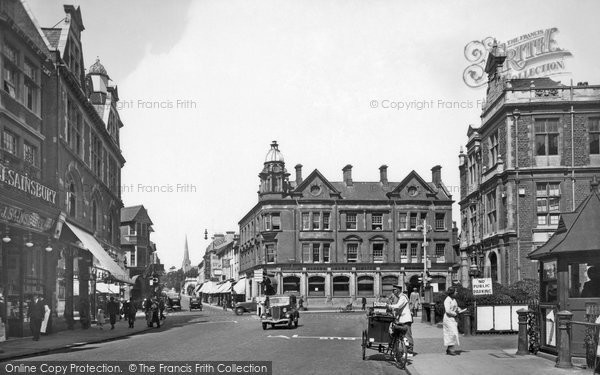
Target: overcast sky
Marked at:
232, 76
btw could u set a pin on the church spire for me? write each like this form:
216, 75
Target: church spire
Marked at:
186, 265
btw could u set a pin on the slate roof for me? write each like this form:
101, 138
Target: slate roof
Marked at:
577, 231
129, 213
364, 190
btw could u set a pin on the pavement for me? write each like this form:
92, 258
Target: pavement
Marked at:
480, 354
21, 347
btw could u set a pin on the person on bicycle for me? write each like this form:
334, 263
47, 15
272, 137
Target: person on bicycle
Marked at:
398, 302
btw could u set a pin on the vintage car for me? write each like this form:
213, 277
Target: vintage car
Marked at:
173, 303
195, 303
280, 310
242, 307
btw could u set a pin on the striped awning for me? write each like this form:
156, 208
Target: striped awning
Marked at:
240, 287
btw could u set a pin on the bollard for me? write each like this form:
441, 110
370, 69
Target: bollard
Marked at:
432, 314
467, 323
563, 339
424, 312
523, 347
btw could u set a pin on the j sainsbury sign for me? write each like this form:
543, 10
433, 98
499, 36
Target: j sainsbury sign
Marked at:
535, 54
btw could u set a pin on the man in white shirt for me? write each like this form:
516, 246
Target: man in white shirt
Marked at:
399, 303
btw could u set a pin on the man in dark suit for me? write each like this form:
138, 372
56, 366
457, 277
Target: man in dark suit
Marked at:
112, 309
36, 315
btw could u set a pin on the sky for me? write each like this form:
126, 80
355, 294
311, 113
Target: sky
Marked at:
206, 86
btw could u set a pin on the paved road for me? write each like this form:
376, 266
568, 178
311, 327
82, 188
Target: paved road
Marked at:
322, 344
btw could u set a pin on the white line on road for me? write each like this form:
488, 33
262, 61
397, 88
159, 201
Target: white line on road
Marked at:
341, 338
221, 321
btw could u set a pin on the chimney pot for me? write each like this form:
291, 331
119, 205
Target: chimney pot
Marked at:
436, 175
347, 174
383, 174
298, 174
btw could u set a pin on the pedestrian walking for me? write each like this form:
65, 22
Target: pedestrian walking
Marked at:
414, 301
36, 315
130, 310
112, 309
451, 311
161, 308
364, 303
100, 318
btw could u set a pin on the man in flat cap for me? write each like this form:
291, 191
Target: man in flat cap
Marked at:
400, 306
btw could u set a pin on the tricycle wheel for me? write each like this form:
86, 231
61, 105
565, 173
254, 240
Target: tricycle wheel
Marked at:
264, 326
364, 345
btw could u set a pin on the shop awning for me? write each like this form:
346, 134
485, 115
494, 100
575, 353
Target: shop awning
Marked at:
101, 257
107, 288
240, 287
198, 287
224, 288
207, 287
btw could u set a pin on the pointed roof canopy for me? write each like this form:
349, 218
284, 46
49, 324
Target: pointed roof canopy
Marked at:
577, 231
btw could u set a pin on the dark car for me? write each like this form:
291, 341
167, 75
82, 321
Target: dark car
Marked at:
280, 310
173, 303
242, 307
195, 303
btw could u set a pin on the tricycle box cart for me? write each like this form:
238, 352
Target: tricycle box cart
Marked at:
377, 334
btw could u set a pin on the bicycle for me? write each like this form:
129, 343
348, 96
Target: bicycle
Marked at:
398, 347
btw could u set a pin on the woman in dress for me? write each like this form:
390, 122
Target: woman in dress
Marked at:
450, 324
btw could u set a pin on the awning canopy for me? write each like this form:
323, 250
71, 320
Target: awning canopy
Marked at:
107, 288
198, 287
224, 288
208, 287
101, 258
577, 232
240, 287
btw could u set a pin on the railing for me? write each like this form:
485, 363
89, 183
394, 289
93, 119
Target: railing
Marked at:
530, 332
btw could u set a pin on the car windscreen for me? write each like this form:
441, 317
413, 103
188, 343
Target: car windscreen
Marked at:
279, 301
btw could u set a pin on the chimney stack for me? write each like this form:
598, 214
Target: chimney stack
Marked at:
436, 175
347, 175
383, 174
298, 174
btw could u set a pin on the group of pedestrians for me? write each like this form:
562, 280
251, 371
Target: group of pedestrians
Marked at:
116, 309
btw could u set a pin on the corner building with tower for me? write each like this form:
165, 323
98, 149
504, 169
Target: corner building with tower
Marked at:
334, 242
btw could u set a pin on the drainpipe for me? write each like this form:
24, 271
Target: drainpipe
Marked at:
572, 149
516, 115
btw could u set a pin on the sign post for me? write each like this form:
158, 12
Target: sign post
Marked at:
481, 287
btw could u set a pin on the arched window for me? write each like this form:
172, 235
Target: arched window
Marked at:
110, 227
291, 284
494, 266
365, 286
387, 284
316, 286
440, 281
71, 200
341, 286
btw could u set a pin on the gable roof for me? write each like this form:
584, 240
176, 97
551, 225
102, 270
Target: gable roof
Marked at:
311, 177
577, 231
129, 214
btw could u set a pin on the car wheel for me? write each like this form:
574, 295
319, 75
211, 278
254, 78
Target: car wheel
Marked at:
264, 326
272, 325
290, 323
239, 311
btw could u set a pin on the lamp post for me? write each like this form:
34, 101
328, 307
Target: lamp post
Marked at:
425, 228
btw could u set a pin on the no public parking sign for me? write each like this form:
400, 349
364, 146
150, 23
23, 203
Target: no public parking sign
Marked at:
482, 287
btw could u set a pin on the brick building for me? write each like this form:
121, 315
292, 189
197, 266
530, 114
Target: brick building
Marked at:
29, 205
532, 158
83, 151
337, 241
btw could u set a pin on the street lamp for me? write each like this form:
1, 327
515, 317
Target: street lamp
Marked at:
425, 228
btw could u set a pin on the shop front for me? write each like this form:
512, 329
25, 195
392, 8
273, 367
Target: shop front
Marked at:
27, 261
